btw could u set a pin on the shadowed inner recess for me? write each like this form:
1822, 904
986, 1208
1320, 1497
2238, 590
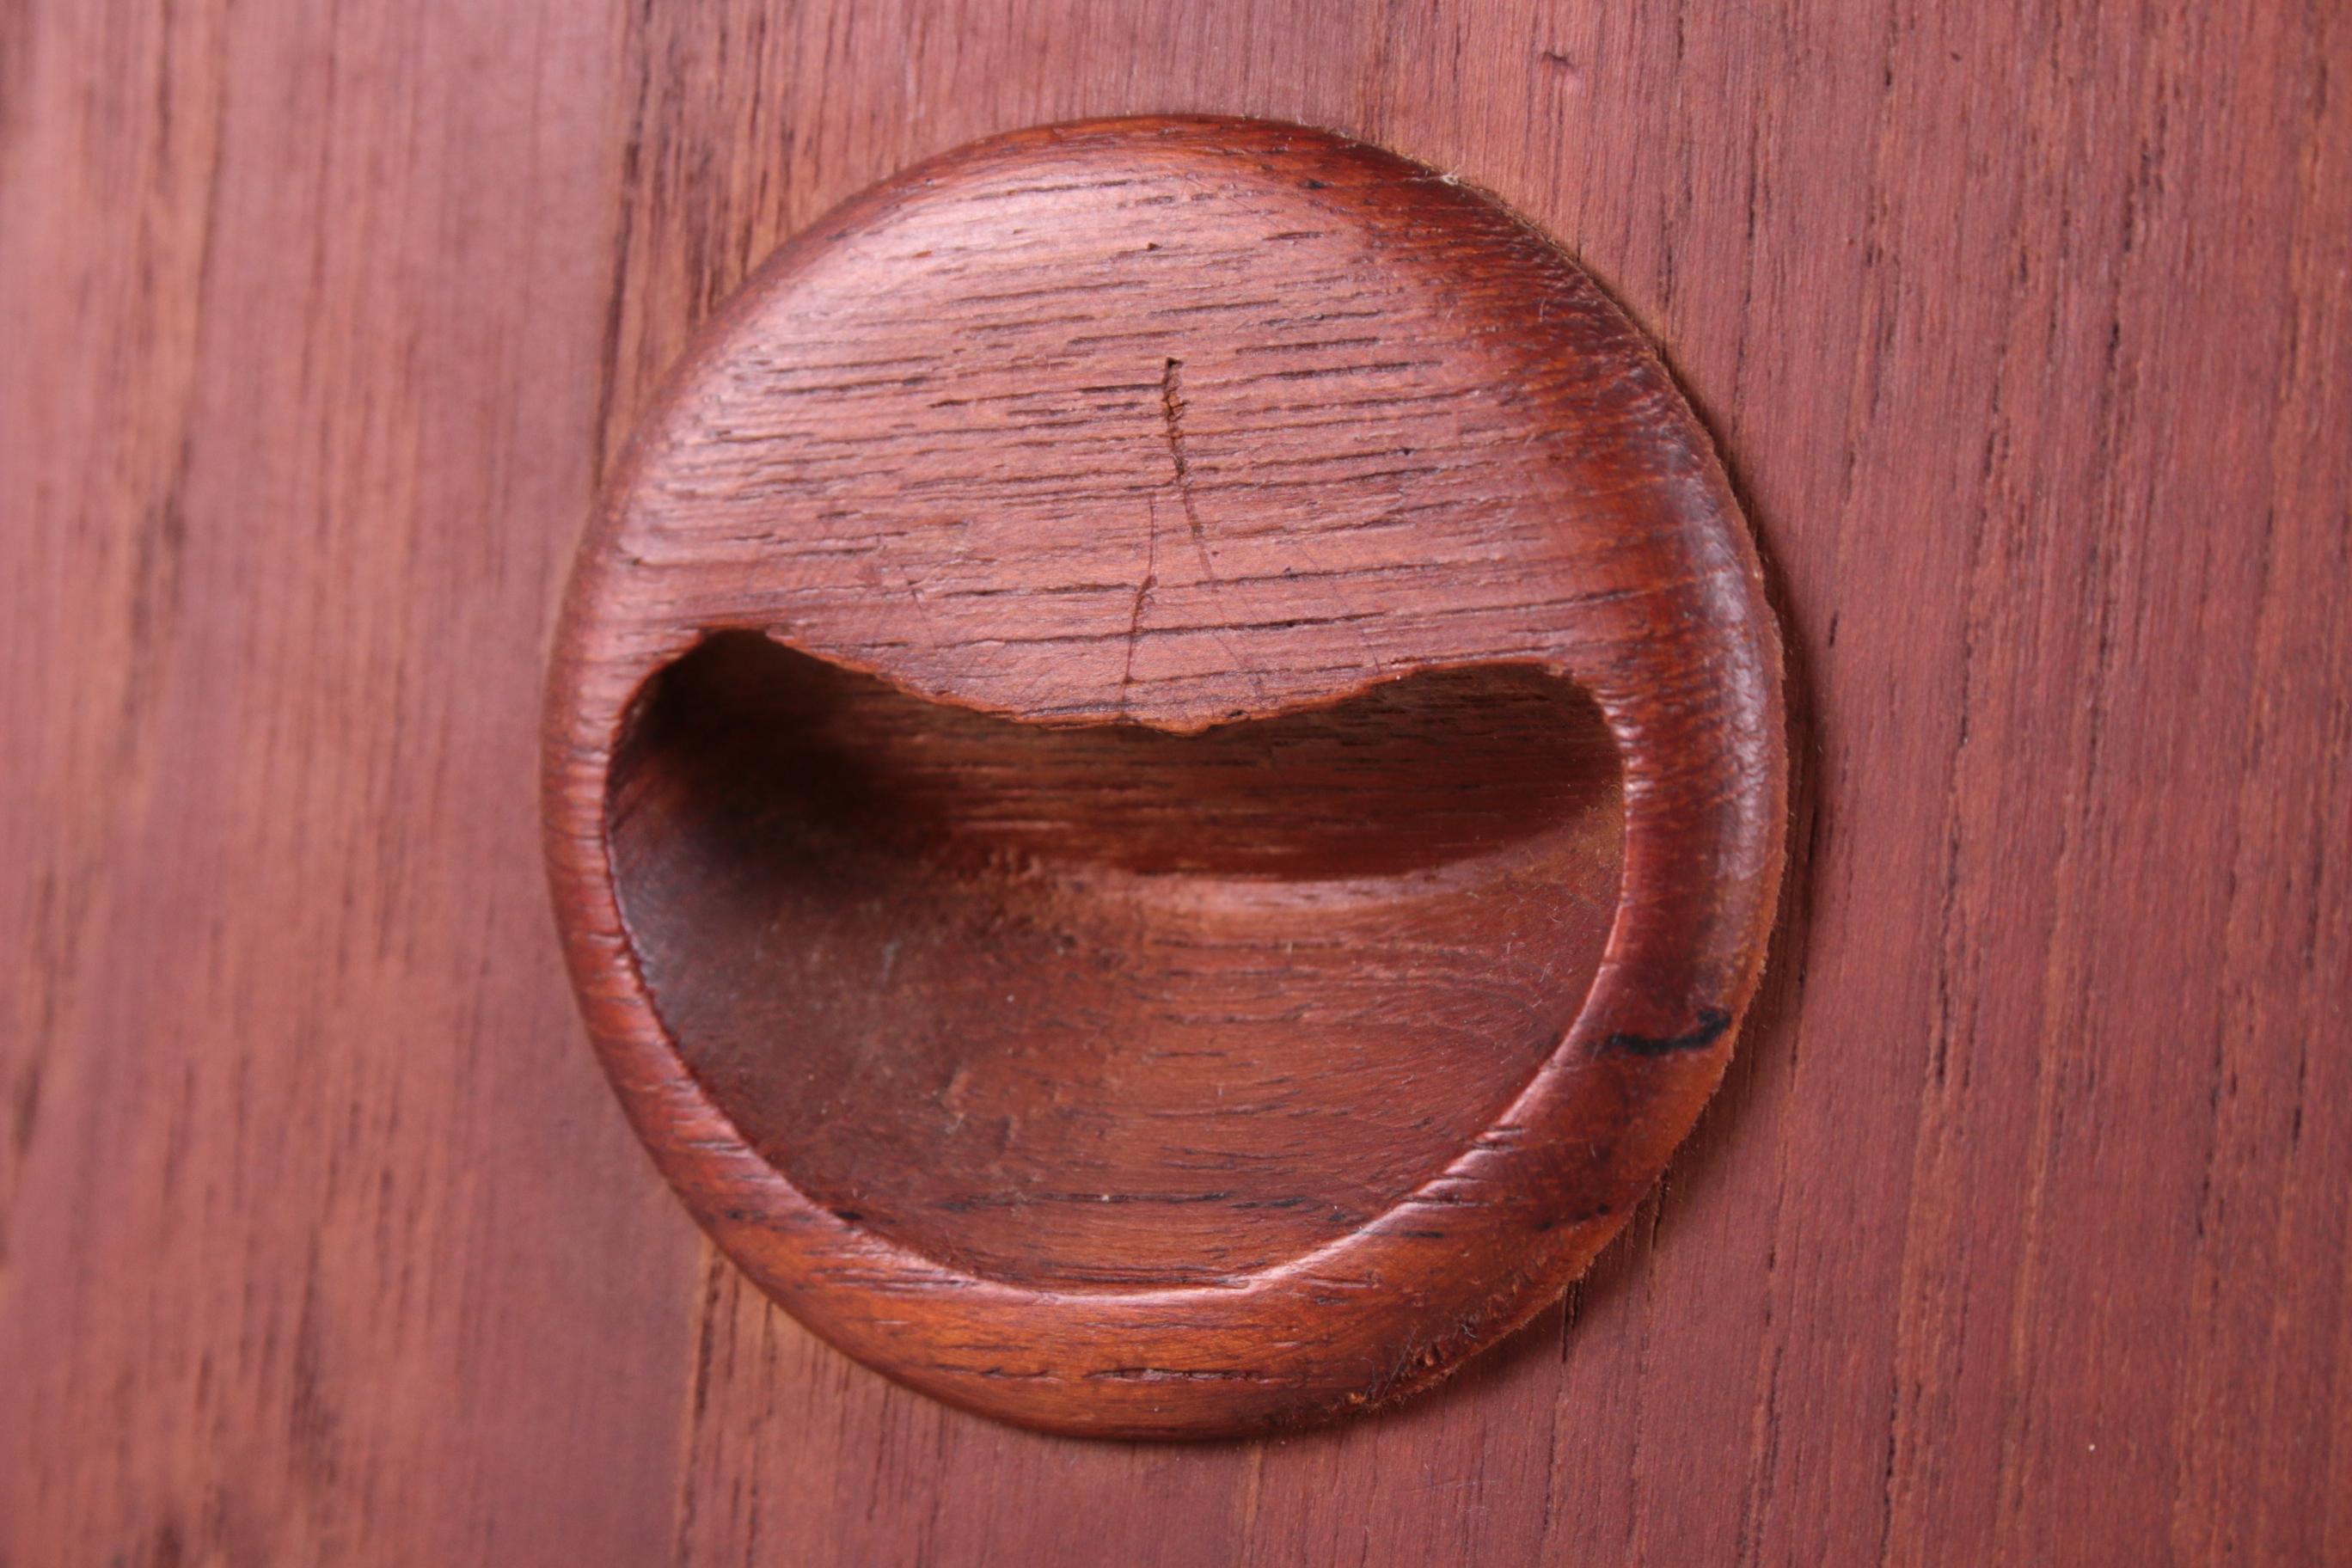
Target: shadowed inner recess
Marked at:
1103, 1005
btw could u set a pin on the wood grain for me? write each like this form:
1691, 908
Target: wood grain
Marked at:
2018, 1233
319, 1247
1165, 775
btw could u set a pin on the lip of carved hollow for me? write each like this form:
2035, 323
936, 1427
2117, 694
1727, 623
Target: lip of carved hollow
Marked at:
611, 742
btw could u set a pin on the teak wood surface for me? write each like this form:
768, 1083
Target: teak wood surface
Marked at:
1150, 979
2018, 1230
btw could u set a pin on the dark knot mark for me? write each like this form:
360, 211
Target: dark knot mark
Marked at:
1712, 1022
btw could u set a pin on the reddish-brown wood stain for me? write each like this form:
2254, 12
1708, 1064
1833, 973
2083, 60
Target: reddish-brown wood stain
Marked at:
1165, 777
2016, 1233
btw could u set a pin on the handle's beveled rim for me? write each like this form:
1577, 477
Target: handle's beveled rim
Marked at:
1698, 723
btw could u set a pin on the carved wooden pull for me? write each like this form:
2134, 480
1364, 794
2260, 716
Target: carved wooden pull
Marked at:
1164, 776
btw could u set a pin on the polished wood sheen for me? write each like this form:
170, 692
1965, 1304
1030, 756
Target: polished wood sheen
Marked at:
2016, 1234
1165, 775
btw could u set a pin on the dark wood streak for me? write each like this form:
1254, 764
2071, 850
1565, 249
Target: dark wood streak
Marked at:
1710, 1027
1159, 1055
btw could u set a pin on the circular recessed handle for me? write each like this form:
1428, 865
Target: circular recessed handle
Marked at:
1164, 775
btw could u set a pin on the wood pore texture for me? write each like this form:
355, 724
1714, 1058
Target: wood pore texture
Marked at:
2018, 1233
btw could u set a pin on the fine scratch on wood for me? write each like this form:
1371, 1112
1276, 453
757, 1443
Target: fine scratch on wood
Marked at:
1171, 411
1143, 593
